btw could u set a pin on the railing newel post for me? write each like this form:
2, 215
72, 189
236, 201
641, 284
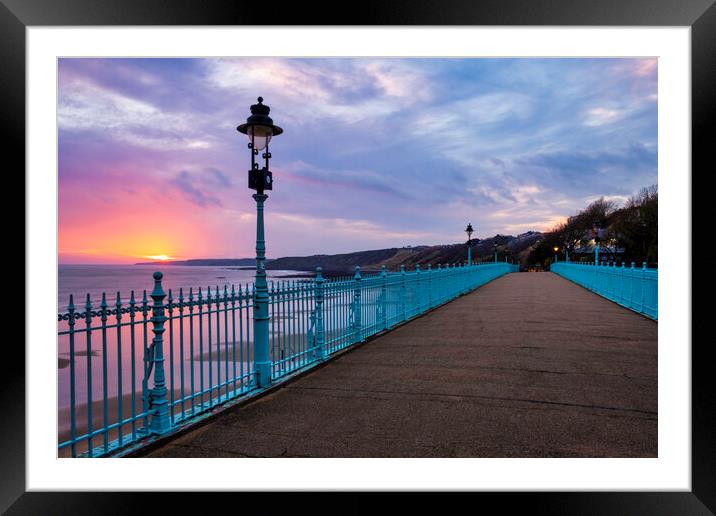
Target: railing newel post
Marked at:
160, 421
320, 337
403, 292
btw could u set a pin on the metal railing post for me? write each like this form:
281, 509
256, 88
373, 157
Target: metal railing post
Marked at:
158, 403
403, 292
357, 306
320, 338
384, 297
417, 289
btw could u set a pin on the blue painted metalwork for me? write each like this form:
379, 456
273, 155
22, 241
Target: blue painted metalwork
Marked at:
356, 308
633, 288
158, 404
306, 321
261, 300
320, 338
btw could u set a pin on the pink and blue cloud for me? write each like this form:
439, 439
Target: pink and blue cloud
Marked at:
376, 152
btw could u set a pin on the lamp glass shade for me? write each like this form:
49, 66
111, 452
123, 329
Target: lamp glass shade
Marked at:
259, 135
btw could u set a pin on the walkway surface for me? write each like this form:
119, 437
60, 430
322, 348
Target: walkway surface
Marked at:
529, 365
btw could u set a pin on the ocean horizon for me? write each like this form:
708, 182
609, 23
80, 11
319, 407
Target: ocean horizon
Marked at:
94, 279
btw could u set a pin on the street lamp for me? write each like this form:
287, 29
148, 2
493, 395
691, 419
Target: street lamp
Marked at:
556, 250
495, 246
596, 231
260, 129
469, 232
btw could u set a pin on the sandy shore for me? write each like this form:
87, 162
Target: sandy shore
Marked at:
63, 362
112, 416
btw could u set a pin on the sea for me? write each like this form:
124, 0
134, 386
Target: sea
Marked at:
108, 363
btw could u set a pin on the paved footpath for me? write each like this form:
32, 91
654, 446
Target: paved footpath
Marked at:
529, 365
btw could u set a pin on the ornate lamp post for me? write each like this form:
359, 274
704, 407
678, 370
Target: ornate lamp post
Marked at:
260, 129
469, 232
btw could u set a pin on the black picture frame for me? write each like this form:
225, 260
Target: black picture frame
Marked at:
700, 15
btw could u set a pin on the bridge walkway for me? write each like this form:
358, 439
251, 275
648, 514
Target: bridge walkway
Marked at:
529, 365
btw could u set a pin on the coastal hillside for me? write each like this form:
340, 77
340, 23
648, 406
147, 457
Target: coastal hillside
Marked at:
512, 247
515, 248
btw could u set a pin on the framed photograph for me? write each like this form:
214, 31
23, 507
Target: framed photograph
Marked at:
311, 177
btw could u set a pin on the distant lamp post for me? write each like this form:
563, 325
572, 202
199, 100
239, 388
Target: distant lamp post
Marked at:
556, 250
596, 231
469, 232
495, 246
260, 129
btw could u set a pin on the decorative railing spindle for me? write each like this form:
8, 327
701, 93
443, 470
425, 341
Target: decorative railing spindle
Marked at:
182, 392
132, 347
90, 420
105, 415
191, 349
145, 360
73, 414
120, 412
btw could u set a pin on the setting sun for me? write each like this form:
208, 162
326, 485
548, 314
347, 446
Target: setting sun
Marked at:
160, 257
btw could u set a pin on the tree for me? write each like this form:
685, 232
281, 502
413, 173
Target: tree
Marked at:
637, 226
633, 227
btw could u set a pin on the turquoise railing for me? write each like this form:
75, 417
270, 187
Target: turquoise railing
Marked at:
635, 288
136, 368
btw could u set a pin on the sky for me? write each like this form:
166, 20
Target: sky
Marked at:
375, 153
